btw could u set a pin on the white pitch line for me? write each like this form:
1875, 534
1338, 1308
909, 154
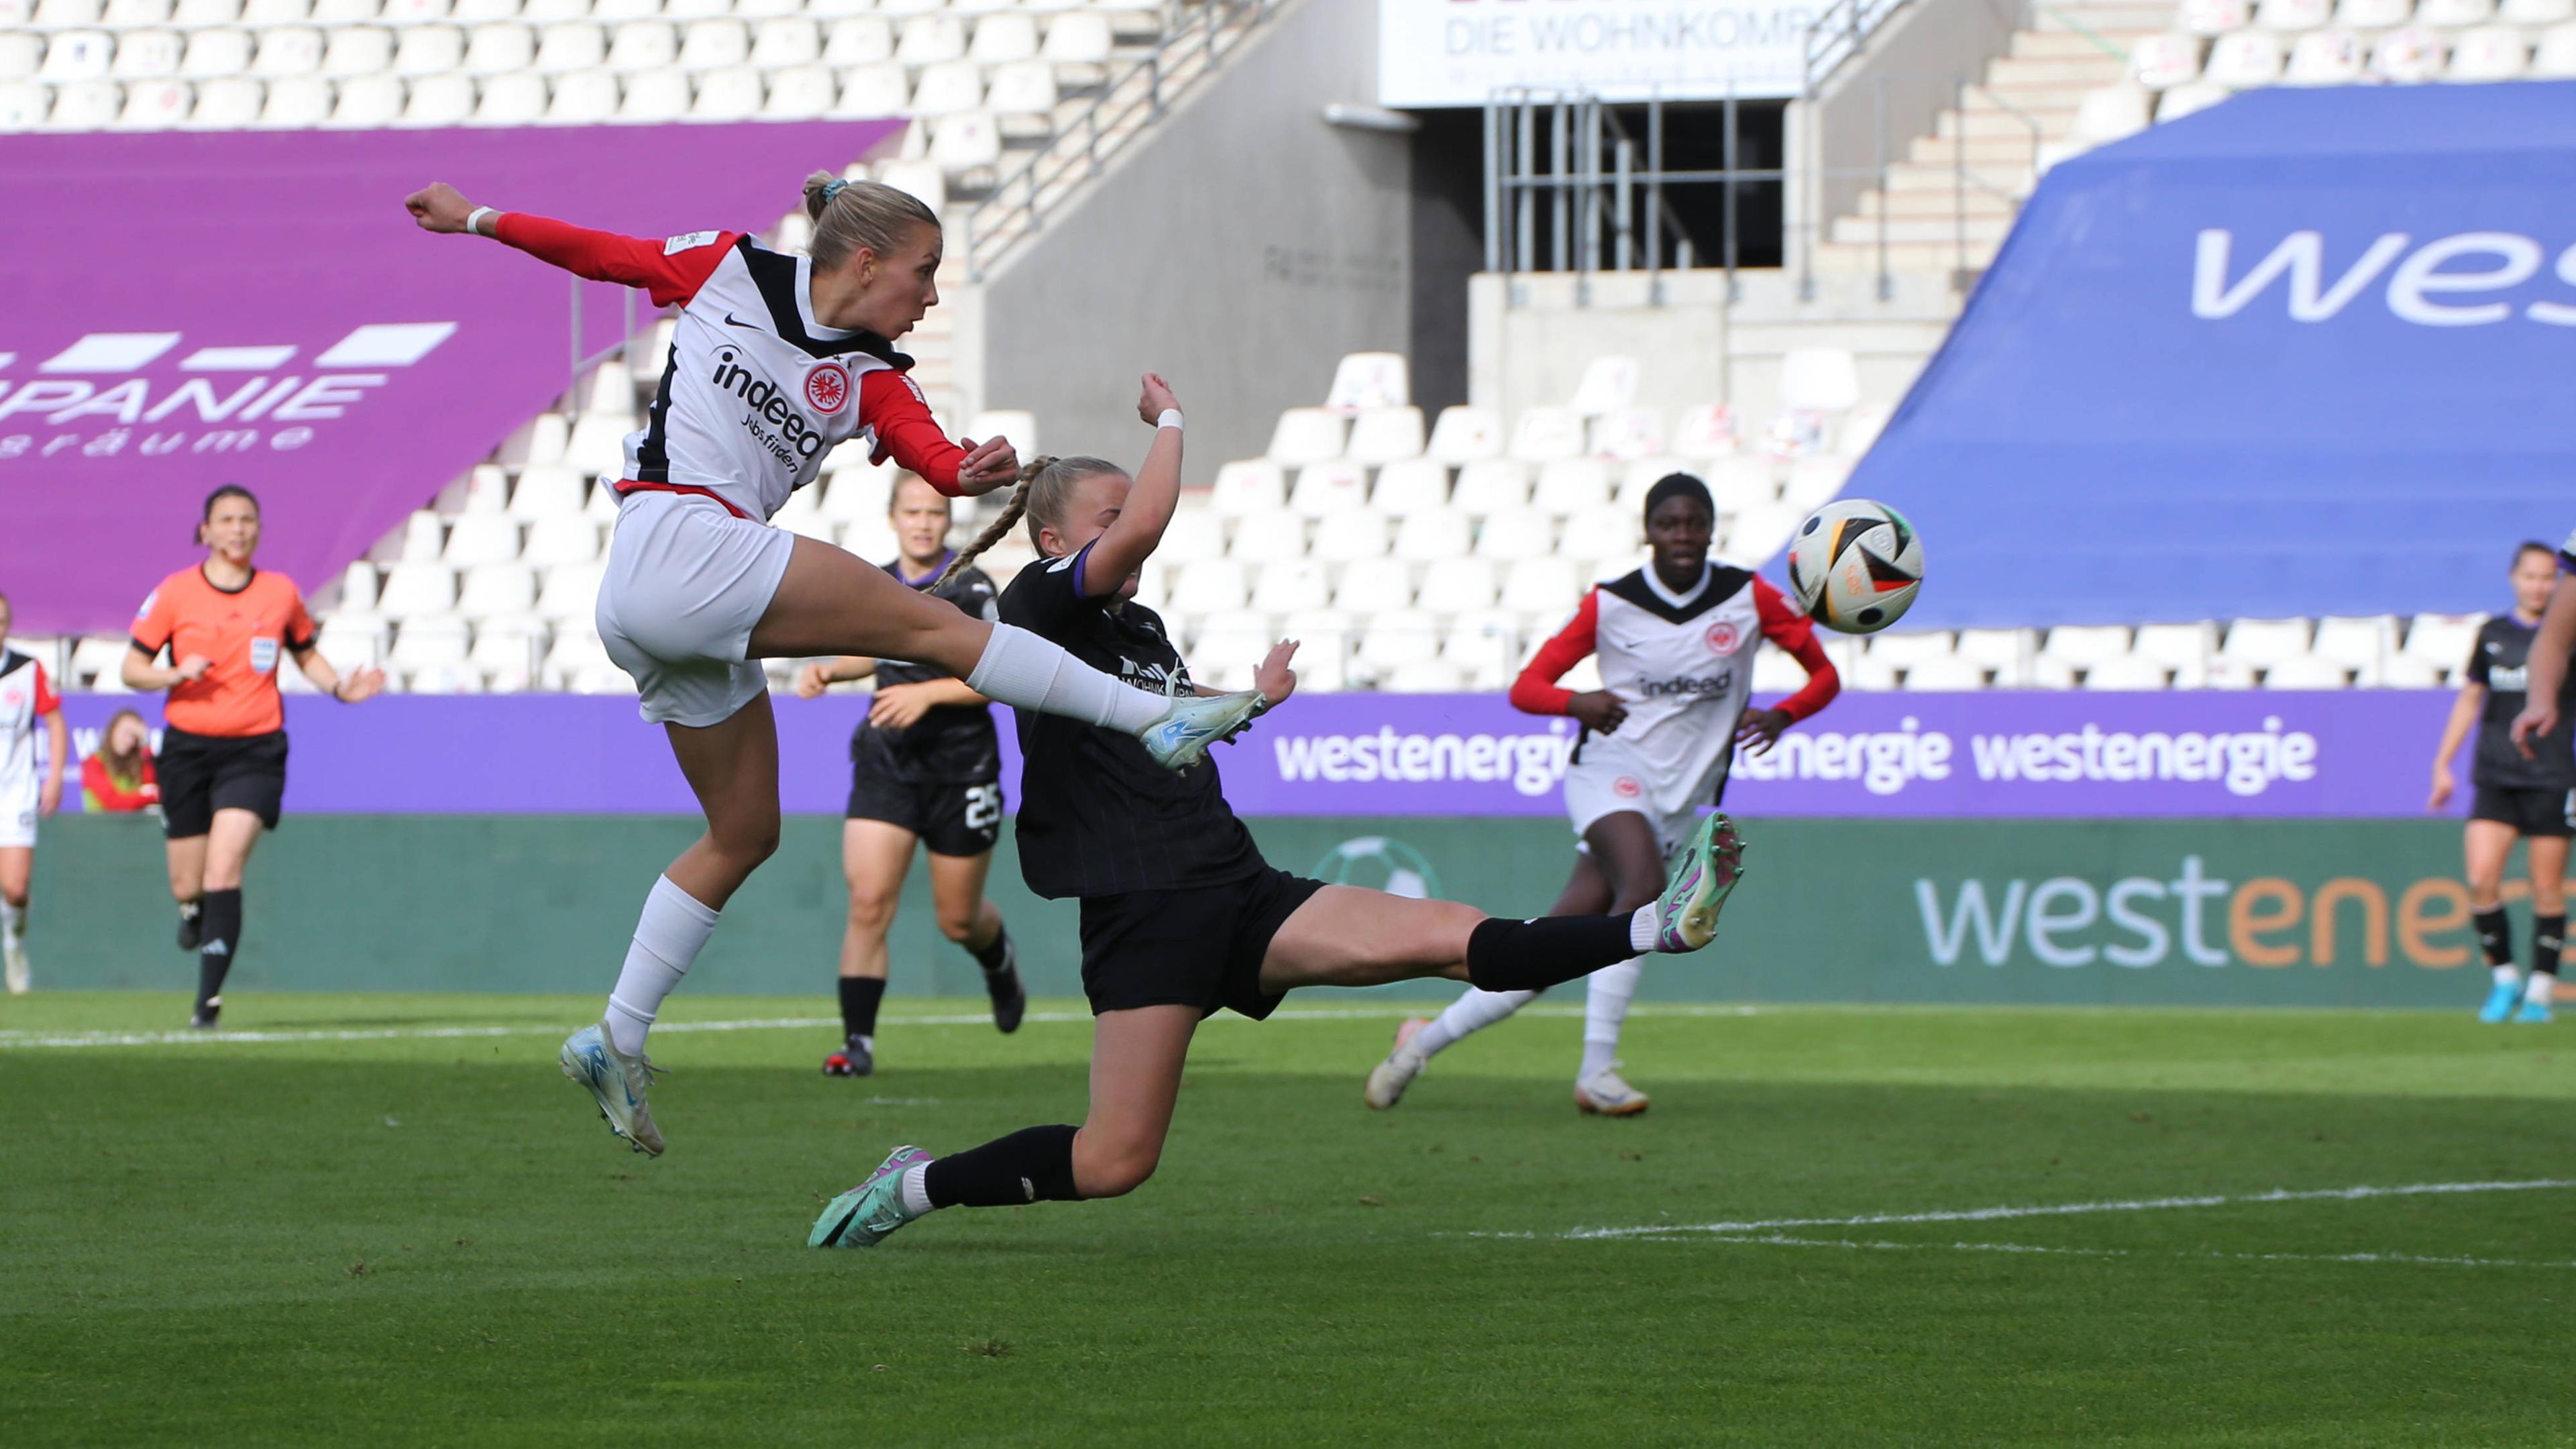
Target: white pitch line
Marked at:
1855, 1245
2046, 1210
21, 1039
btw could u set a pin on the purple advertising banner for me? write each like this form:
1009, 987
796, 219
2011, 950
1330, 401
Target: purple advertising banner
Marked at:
2351, 753
191, 309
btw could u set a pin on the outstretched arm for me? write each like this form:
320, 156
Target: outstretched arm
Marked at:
1536, 691
892, 405
672, 270
1793, 631
1138, 529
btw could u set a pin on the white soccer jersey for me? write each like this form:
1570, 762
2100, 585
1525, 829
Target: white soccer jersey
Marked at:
26, 697
1682, 664
755, 391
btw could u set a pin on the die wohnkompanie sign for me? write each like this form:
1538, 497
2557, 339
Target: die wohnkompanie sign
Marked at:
1459, 52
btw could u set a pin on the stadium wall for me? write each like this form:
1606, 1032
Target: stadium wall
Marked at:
1872, 108
2161, 912
1288, 246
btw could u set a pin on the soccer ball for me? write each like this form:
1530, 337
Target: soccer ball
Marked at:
1855, 566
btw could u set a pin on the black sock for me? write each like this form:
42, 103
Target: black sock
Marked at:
188, 910
2494, 936
2548, 936
1034, 1164
997, 954
1534, 955
217, 940
859, 998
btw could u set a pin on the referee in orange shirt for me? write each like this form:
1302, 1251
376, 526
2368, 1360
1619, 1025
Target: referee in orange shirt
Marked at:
223, 748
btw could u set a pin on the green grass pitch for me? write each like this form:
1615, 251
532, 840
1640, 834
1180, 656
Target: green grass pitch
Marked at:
364, 1233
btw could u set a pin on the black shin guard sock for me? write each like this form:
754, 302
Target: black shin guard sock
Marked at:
219, 935
1534, 955
2494, 936
859, 998
2548, 937
997, 954
1034, 1164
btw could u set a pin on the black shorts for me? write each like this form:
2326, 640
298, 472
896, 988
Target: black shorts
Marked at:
951, 817
201, 774
1200, 947
2539, 812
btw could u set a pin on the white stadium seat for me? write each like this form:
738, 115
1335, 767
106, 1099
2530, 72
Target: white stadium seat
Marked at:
2126, 672
2408, 55
2363, 645
1542, 586
1490, 485
2245, 59
2005, 653
2083, 646
1455, 585
1570, 485
154, 105
2443, 640
859, 40
2373, 14
367, 100
564, 48
22, 52
495, 589
516, 99
481, 538
509, 653
1739, 485
1369, 592
2555, 56
1268, 537
570, 592
2490, 53
2182, 101
2216, 17
1207, 585
1357, 536
714, 45
413, 589
948, 88
1193, 533
1608, 384
2111, 113
1369, 381
419, 50
1078, 38
1610, 534
563, 538
356, 51
1544, 433
1819, 379
2293, 15
2161, 62
966, 142
1003, 38
731, 94
2454, 14
1386, 435
77, 55
1306, 435
2262, 643
1948, 673
1326, 488
1024, 95
1707, 431
874, 90
1465, 434
786, 41
119, 14
2532, 12
230, 103
1288, 586
1628, 434
1397, 638
930, 39
2306, 671
216, 53
2326, 57
1905, 651
1514, 534
1252, 485
1410, 485
638, 45
1424, 537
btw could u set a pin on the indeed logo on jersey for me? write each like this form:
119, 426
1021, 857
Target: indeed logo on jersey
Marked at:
1688, 686
826, 390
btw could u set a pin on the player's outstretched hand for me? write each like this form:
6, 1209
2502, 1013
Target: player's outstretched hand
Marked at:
194, 667
1598, 710
899, 706
813, 679
1761, 729
1157, 400
439, 207
2539, 717
1274, 678
987, 465
49, 797
359, 684
2443, 785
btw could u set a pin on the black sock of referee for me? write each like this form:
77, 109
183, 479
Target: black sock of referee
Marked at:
1034, 1164
2495, 937
1534, 955
996, 953
859, 998
2548, 938
220, 933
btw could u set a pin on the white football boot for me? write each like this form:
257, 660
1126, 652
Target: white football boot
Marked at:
1606, 1094
617, 1082
1388, 1079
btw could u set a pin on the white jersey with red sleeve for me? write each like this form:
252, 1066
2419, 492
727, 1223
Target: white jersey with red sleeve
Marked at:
755, 391
26, 697
1682, 665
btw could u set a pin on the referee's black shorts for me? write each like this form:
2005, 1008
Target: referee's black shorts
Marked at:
1200, 947
2549, 813
201, 774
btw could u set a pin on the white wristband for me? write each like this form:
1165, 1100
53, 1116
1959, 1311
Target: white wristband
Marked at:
474, 220
1171, 419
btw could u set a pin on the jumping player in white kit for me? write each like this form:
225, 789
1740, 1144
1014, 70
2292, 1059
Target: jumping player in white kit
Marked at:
1676, 641
775, 359
27, 793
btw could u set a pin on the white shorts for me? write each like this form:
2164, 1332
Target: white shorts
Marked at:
686, 582
1606, 781
18, 813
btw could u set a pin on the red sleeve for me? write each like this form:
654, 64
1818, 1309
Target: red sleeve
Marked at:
672, 270
154, 622
47, 702
1784, 625
891, 405
101, 788
1536, 691
300, 630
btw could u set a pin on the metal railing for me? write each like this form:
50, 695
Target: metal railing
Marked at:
1195, 37
1838, 33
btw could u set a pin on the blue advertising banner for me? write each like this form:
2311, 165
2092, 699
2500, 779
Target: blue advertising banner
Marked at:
1998, 754
2303, 353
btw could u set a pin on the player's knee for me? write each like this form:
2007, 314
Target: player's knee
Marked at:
957, 924
1118, 1171
747, 842
14, 897
872, 909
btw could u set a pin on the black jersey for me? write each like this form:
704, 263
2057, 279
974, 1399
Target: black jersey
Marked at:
953, 743
1097, 816
2500, 660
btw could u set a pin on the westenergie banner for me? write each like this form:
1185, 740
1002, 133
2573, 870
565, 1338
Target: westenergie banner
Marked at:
2007, 755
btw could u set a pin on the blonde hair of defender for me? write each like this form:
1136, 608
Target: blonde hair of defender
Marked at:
848, 215
1040, 493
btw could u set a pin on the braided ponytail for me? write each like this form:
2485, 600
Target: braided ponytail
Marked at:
1000, 528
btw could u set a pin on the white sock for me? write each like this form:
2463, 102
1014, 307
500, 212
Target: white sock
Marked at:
1605, 1006
2506, 975
13, 923
916, 1192
1466, 1016
1642, 934
668, 937
1025, 671
2540, 987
